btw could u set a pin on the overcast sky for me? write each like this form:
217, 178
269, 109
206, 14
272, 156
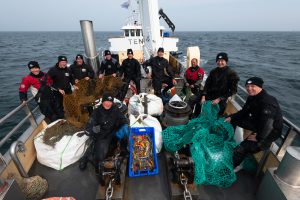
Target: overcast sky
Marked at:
187, 15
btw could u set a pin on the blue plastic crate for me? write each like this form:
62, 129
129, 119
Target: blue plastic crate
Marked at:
135, 131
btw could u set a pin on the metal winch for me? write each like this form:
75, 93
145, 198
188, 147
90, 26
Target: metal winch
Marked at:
110, 173
182, 165
176, 113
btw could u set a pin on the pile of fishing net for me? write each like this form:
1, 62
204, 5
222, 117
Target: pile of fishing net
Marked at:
76, 104
33, 188
55, 133
211, 149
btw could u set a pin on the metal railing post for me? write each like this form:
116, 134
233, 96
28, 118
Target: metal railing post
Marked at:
31, 117
14, 148
287, 142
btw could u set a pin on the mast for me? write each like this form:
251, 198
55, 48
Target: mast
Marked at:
89, 43
148, 10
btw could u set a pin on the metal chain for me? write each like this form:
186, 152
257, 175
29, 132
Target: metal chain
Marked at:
110, 190
184, 180
186, 194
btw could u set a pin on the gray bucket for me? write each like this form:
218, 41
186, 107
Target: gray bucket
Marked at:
289, 169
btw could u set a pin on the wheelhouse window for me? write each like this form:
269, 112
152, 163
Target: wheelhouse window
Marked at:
126, 33
138, 32
132, 32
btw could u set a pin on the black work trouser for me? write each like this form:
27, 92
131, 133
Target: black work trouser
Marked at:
47, 108
157, 85
59, 105
246, 147
245, 123
101, 148
136, 82
126, 82
195, 100
46, 101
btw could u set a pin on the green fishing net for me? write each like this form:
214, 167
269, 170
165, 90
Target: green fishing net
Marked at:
211, 149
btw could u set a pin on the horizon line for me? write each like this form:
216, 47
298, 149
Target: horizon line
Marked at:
165, 31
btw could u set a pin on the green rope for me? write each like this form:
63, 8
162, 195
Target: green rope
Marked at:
62, 153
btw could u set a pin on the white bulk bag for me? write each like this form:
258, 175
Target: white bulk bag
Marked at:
144, 120
65, 152
155, 104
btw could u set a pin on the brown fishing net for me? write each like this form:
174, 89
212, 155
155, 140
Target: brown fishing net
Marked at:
75, 104
34, 187
56, 132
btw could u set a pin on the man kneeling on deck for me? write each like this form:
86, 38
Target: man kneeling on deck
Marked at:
261, 114
104, 122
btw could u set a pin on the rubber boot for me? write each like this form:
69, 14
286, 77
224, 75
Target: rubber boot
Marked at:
238, 156
118, 171
100, 174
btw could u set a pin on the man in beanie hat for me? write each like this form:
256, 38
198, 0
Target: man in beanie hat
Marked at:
102, 126
261, 114
131, 69
221, 83
162, 72
39, 83
109, 66
80, 70
62, 82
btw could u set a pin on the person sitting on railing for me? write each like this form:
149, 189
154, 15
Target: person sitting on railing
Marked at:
80, 70
102, 126
221, 83
161, 73
262, 115
62, 83
109, 66
192, 81
131, 69
40, 87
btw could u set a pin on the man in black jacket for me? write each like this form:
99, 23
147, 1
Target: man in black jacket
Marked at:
109, 66
102, 126
221, 83
261, 114
161, 73
131, 69
62, 83
79, 70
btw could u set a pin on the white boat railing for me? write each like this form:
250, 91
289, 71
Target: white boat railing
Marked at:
29, 117
34, 120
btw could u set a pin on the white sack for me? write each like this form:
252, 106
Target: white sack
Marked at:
65, 152
155, 104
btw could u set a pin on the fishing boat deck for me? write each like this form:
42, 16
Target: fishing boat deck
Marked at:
83, 185
243, 189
